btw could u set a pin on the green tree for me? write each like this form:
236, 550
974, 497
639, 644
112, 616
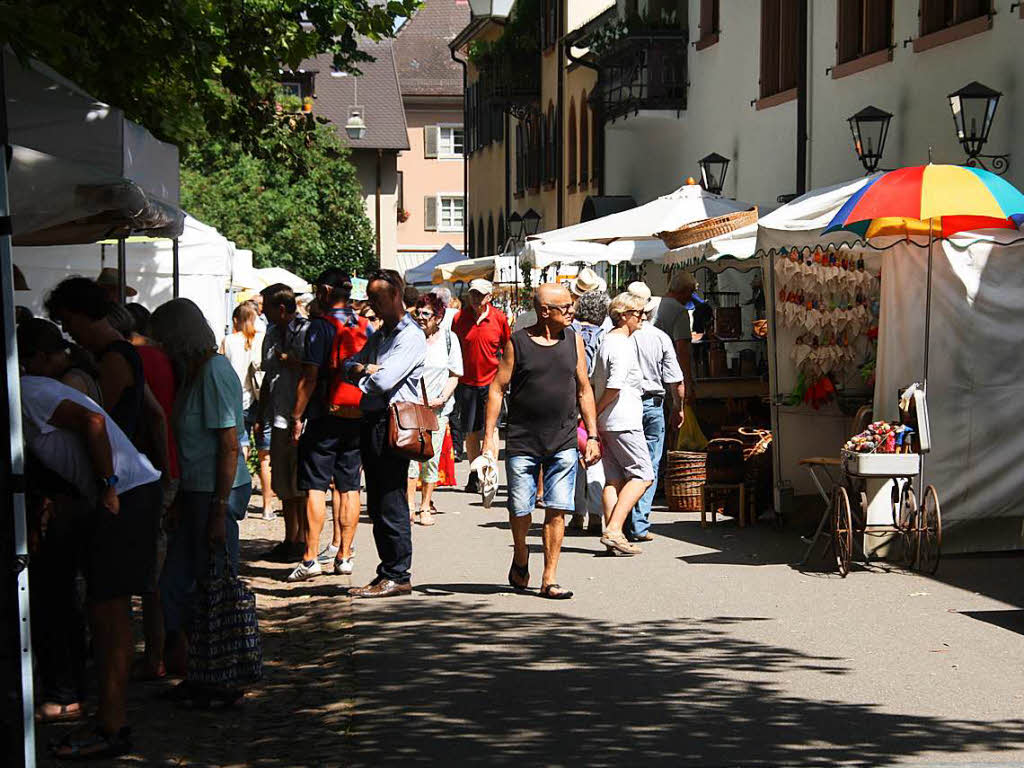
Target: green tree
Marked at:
296, 203
193, 71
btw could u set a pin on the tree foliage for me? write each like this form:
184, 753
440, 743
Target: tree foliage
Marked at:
192, 70
296, 204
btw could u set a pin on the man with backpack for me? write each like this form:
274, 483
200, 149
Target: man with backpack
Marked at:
325, 420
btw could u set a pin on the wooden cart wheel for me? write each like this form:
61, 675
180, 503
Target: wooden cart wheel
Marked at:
906, 527
842, 530
929, 532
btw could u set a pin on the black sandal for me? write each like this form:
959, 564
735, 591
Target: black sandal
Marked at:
555, 592
94, 745
523, 573
192, 696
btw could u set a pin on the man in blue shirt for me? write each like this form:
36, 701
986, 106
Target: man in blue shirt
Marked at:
388, 370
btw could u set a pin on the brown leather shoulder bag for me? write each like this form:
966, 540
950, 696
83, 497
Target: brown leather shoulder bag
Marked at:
409, 428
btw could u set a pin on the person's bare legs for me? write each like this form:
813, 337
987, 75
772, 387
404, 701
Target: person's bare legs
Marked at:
293, 514
265, 490
336, 507
316, 513
473, 445
410, 497
520, 527
349, 521
112, 637
619, 499
425, 497
153, 630
554, 532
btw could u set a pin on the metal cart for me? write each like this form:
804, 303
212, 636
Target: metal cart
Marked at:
882, 484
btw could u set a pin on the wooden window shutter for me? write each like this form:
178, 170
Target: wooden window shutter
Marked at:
933, 16
789, 42
769, 47
430, 137
708, 17
877, 25
430, 205
848, 34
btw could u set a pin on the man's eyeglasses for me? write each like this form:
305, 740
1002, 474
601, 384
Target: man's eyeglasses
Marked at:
563, 308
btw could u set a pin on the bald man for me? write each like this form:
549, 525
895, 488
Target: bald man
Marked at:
544, 369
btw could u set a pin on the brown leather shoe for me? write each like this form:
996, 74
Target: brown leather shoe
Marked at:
383, 588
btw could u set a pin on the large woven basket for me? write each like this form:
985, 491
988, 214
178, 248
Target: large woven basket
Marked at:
699, 231
685, 475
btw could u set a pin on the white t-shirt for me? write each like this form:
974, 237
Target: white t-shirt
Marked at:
618, 367
64, 451
240, 358
440, 363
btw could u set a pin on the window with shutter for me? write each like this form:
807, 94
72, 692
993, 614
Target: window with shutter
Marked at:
430, 213
937, 15
571, 159
430, 137
863, 27
780, 55
708, 24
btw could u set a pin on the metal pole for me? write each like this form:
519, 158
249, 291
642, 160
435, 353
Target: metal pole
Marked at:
122, 279
927, 341
16, 473
175, 269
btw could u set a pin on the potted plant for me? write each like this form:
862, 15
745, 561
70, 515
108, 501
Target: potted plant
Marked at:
307, 104
403, 215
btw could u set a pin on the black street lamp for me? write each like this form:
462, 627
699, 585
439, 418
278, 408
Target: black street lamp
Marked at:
713, 168
869, 128
515, 225
974, 109
531, 222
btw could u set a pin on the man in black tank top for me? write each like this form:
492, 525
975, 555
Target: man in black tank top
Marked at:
544, 369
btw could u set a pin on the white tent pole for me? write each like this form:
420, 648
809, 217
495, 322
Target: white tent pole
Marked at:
17, 467
927, 341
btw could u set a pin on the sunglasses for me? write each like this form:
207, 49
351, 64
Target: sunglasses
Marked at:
423, 314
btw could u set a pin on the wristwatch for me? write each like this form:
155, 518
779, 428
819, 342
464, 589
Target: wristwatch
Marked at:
110, 482
595, 438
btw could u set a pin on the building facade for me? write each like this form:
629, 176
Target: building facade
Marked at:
768, 84
431, 206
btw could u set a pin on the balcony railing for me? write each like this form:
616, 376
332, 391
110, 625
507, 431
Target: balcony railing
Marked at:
644, 71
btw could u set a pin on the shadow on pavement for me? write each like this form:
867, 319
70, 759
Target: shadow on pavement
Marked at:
446, 682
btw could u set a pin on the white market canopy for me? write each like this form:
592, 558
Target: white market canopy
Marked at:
80, 171
630, 236
501, 268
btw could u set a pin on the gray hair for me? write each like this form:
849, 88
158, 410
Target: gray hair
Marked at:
623, 303
682, 281
592, 307
442, 292
182, 330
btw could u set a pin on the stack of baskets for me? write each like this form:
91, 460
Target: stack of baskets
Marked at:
685, 475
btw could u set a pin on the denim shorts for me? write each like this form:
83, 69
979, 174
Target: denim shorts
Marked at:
559, 481
262, 438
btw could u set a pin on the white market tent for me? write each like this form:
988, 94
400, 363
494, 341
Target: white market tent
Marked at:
630, 235
205, 259
500, 269
78, 172
975, 378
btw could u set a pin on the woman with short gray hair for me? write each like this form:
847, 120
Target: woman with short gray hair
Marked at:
618, 387
215, 484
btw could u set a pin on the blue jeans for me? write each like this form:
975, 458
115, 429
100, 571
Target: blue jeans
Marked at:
639, 521
187, 551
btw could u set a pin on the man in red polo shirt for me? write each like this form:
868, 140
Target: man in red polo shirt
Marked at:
483, 332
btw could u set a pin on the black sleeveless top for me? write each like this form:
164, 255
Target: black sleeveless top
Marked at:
542, 412
127, 411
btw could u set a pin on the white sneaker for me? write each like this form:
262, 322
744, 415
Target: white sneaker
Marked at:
343, 567
327, 554
303, 571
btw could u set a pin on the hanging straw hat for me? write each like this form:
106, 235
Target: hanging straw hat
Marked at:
108, 279
586, 281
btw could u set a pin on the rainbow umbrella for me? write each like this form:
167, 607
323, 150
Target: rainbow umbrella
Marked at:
935, 201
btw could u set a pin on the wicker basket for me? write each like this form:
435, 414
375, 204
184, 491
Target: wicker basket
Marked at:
706, 229
685, 475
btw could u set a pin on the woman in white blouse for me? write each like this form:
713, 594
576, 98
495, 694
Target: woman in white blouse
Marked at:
618, 387
441, 371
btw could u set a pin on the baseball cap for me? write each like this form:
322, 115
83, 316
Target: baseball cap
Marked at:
481, 286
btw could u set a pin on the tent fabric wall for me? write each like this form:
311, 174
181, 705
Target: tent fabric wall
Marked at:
205, 258
975, 378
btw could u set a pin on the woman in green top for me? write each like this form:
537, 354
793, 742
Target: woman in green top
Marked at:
215, 485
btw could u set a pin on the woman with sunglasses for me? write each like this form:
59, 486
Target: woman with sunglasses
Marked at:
441, 371
618, 387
